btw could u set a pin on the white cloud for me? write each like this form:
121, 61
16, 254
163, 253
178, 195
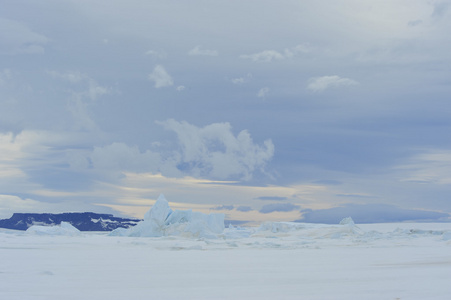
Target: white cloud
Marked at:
91, 89
83, 91
319, 84
264, 56
180, 88
96, 90
72, 77
242, 80
263, 92
291, 52
205, 52
5, 76
157, 54
270, 55
213, 151
16, 38
161, 77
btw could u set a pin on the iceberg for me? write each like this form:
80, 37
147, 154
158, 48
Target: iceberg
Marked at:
64, 228
161, 220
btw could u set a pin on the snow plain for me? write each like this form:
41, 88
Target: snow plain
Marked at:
275, 261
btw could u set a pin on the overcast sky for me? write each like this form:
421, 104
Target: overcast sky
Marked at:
262, 110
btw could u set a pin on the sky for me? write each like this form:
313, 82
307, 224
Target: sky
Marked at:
264, 111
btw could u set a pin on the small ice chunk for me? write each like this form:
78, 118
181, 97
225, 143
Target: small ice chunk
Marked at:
347, 221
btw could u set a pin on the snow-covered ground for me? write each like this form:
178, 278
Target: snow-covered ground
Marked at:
275, 261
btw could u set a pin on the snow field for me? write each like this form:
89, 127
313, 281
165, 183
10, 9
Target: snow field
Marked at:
288, 261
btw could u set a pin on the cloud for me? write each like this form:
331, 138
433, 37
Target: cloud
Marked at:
264, 56
180, 88
282, 207
161, 77
12, 151
17, 38
242, 80
319, 84
157, 54
34, 160
20, 205
119, 156
244, 208
209, 152
440, 9
83, 92
328, 182
5, 76
271, 198
204, 52
91, 88
263, 92
72, 77
429, 167
10, 204
224, 207
270, 55
291, 52
414, 23
214, 151
355, 195
370, 213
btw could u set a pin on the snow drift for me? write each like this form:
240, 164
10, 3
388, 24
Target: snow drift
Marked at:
64, 228
161, 220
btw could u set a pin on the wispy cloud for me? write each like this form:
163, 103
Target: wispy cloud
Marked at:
244, 208
440, 9
161, 77
242, 80
279, 207
205, 52
319, 84
17, 38
270, 55
429, 167
264, 56
5, 75
91, 88
223, 207
157, 54
414, 23
263, 92
271, 198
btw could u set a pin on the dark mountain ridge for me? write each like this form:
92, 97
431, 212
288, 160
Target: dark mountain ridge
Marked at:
83, 221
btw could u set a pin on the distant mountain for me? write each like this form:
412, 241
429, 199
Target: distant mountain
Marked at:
86, 221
